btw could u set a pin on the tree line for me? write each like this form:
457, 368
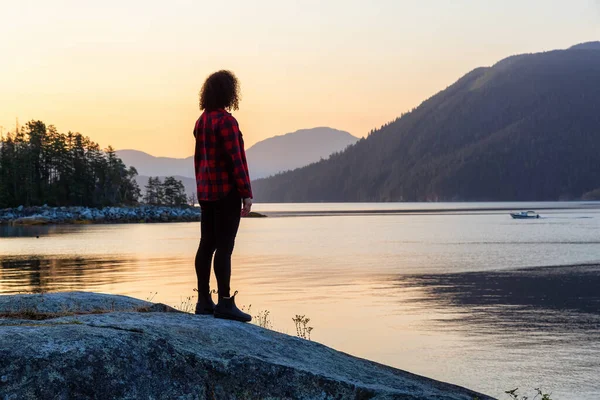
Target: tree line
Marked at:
170, 192
39, 165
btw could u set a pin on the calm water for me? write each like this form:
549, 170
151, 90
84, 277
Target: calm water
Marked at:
470, 297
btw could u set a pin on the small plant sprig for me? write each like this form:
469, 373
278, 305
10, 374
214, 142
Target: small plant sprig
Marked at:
263, 319
302, 329
514, 395
187, 304
151, 296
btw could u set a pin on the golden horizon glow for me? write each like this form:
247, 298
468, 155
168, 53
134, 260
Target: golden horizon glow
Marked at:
127, 74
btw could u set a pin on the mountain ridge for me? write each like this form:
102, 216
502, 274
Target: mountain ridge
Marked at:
295, 149
586, 46
265, 158
147, 164
497, 133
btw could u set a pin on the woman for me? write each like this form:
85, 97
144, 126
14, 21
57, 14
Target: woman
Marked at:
224, 191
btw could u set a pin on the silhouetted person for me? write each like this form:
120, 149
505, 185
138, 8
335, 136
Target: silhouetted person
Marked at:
224, 191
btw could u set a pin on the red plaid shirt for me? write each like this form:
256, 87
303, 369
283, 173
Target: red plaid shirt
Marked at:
220, 159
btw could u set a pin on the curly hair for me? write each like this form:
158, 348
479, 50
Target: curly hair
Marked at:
220, 90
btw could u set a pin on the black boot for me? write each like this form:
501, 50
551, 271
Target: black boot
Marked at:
205, 305
227, 309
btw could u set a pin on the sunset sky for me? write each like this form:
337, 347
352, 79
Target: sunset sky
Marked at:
127, 73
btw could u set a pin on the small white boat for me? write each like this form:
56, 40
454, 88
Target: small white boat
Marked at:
525, 215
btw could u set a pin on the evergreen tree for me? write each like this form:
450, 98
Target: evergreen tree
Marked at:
39, 165
130, 190
171, 192
174, 192
154, 192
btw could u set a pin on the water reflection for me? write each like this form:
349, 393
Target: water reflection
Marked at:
545, 299
40, 274
31, 231
535, 327
429, 294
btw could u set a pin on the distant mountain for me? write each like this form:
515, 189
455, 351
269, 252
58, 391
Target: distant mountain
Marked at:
294, 150
149, 165
586, 46
527, 128
265, 158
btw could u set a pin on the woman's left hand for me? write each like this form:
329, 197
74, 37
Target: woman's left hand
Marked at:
247, 206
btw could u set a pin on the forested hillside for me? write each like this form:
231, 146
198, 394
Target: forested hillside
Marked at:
527, 128
39, 165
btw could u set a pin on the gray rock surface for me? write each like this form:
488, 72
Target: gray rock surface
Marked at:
69, 302
131, 352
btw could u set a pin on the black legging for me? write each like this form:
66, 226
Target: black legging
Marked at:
219, 226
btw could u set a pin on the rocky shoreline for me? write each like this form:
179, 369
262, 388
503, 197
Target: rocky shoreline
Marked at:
45, 215
78, 345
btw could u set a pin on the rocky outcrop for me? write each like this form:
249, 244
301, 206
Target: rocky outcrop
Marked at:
82, 215
86, 345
